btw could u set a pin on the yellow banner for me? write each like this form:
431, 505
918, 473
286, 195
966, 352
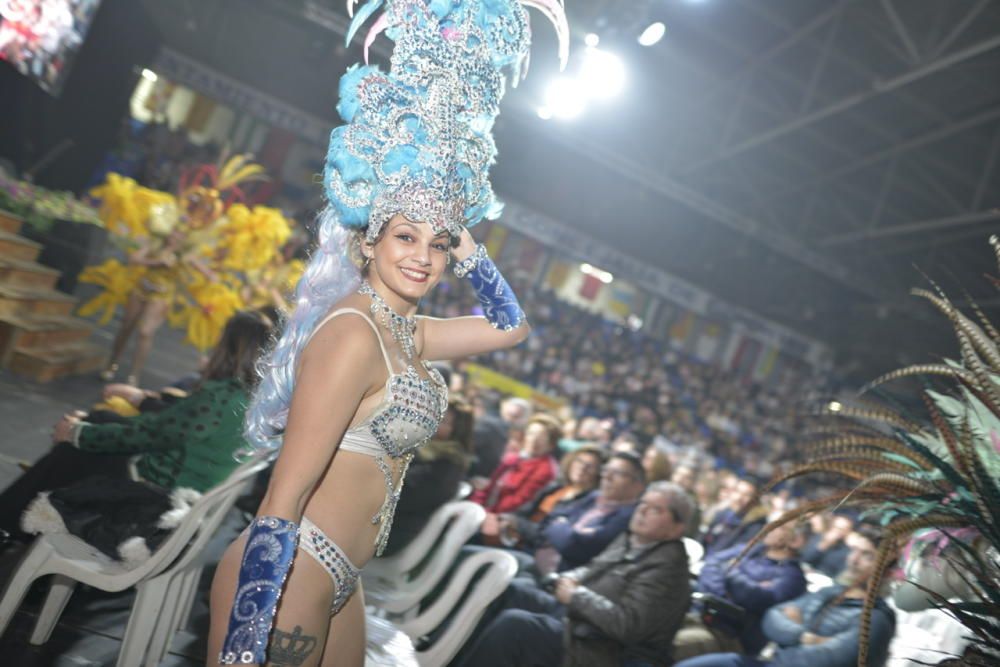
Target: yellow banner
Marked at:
505, 384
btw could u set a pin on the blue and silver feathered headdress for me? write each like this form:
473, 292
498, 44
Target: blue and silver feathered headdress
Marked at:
417, 140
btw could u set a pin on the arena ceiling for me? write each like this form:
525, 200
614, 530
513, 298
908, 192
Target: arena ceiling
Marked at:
806, 159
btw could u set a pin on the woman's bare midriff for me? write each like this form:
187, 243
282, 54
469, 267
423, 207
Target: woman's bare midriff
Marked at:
346, 499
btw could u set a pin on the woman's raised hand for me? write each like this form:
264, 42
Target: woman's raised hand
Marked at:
466, 246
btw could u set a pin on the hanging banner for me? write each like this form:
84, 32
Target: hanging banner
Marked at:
486, 377
237, 95
655, 281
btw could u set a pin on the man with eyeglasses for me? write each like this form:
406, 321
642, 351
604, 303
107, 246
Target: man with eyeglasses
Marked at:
575, 534
621, 608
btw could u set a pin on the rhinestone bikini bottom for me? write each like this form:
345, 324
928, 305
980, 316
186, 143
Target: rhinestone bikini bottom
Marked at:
342, 571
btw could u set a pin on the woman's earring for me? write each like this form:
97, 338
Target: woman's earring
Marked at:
368, 260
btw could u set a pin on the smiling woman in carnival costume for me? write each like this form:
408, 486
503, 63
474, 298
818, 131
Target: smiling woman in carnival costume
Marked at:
347, 392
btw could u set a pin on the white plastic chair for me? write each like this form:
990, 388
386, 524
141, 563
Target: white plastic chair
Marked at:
925, 638
72, 560
695, 551
394, 585
501, 568
178, 585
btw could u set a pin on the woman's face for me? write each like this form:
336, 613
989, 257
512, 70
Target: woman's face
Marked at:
584, 471
409, 259
536, 440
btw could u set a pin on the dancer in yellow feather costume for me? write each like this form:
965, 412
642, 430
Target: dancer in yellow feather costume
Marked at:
193, 259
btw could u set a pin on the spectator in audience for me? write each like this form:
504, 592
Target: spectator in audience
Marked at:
587, 431
516, 411
827, 551
573, 535
520, 476
623, 607
770, 573
434, 474
706, 492
492, 431
656, 463
581, 470
627, 442
188, 444
822, 629
685, 475
737, 523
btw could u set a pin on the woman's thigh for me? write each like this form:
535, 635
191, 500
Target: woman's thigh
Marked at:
301, 625
153, 316
347, 640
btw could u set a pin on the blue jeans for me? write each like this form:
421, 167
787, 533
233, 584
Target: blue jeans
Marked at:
519, 638
527, 631
722, 660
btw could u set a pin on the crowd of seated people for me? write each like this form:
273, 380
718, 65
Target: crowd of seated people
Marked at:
581, 598
616, 379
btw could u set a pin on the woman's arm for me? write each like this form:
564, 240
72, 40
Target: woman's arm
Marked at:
503, 326
460, 337
334, 375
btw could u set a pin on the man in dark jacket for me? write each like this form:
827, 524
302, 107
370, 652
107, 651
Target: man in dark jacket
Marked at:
573, 535
822, 629
766, 576
623, 606
738, 523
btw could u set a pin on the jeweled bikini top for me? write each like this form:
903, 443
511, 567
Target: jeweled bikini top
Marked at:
409, 413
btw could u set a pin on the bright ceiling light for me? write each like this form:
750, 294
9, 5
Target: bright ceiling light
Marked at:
565, 98
600, 274
591, 39
544, 113
149, 75
835, 406
652, 34
602, 74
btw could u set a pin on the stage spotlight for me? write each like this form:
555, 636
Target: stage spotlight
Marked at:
652, 34
602, 73
835, 406
544, 113
591, 39
149, 75
565, 98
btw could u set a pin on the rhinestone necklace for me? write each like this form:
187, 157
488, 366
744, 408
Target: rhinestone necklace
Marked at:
401, 328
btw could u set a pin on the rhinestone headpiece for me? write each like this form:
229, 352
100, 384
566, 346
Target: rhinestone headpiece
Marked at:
418, 139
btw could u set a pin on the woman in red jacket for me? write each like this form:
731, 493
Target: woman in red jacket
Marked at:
519, 477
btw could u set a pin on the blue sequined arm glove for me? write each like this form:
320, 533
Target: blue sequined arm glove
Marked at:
499, 303
267, 558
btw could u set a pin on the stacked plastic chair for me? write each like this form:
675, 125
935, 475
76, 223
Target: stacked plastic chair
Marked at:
165, 583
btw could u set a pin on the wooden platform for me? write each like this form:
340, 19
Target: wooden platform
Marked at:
39, 337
